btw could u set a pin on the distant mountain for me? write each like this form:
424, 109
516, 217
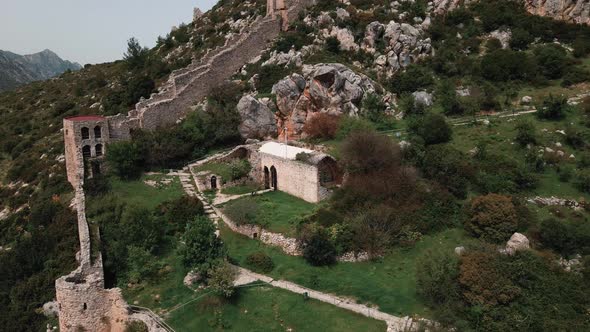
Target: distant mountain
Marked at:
17, 69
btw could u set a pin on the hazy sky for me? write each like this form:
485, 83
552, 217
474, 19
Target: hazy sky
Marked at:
89, 31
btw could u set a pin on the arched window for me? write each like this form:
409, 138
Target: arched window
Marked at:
85, 306
213, 182
86, 151
266, 178
85, 133
97, 132
98, 150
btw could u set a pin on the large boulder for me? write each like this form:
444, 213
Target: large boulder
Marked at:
373, 33
258, 121
517, 242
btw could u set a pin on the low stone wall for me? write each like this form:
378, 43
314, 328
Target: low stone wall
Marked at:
287, 244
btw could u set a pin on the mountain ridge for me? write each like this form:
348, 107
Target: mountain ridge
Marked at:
16, 69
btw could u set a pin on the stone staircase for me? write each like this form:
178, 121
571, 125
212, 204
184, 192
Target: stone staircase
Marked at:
189, 85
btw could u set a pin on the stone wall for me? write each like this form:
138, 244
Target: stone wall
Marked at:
294, 177
573, 11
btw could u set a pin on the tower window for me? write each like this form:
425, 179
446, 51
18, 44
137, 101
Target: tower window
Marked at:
97, 132
85, 133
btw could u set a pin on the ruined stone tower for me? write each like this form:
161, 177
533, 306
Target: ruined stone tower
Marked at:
85, 139
277, 8
83, 302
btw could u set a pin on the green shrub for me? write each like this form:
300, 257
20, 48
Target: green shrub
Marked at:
260, 262
551, 59
553, 108
136, 326
492, 217
583, 180
507, 65
415, 77
239, 168
436, 277
333, 45
520, 39
525, 133
242, 211
125, 159
431, 128
318, 250
350, 125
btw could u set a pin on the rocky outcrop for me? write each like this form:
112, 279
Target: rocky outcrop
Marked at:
258, 121
323, 88
574, 11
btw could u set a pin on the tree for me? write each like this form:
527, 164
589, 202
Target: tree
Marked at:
202, 248
507, 65
414, 78
140, 228
260, 262
552, 59
520, 39
221, 279
431, 128
141, 264
136, 55
449, 167
492, 217
125, 159
525, 133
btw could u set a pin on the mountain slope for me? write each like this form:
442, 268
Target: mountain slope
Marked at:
17, 69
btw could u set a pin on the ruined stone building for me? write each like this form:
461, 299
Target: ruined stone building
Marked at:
304, 173
85, 139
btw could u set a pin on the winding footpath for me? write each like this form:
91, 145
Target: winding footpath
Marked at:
394, 323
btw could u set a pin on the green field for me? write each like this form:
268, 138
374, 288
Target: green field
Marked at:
388, 283
279, 212
264, 308
138, 193
240, 190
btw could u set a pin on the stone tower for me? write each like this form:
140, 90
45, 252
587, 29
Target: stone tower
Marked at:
85, 139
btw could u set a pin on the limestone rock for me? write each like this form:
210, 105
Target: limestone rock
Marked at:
327, 88
257, 119
574, 11
197, 13
51, 309
423, 98
374, 31
526, 100
460, 250
342, 14
516, 243
191, 278
503, 36
346, 39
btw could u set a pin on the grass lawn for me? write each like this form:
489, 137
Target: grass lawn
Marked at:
264, 308
220, 169
138, 193
388, 283
280, 212
240, 190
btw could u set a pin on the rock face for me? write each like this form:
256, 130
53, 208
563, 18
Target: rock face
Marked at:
323, 88
258, 121
17, 69
574, 11
516, 243
404, 44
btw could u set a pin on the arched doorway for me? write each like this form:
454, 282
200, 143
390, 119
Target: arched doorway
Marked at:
213, 182
266, 178
273, 178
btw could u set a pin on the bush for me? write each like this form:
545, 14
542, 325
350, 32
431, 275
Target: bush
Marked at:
552, 60
125, 159
520, 39
575, 75
415, 77
449, 167
97, 185
492, 217
318, 250
239, 168
221, 279
436, 277
525, 133
565, 173
553, 108
260, 262
351, 125
431, 128
136, 326
322, 126
333, 45
583, 181
177, 213
242, 211
507, 65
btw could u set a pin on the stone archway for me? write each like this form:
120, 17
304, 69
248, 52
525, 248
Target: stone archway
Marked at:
266, 178
213, 182
273, 178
